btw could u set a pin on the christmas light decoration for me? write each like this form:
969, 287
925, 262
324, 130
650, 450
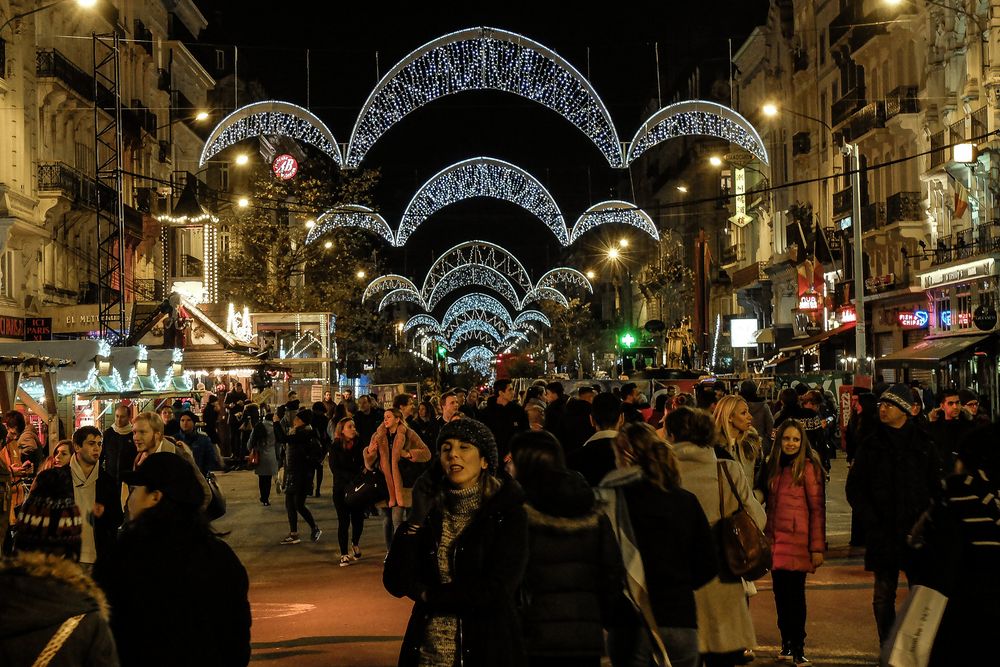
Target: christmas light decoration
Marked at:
483, 59
470, 326
566, 276
532, 316
239, 324
351, 215
697, 117
495, 321
613, 212
270, 119
546, 294
477, 301
400, 296
388, 283
211, 248
513, 337
482, 253
480, 358
421, 320
482, 177
473, 274
474, 335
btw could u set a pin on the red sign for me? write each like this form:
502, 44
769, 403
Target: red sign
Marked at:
285, 167
848, 314
809, 302
914, 318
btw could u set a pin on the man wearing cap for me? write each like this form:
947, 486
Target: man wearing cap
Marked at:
970, 403
96, 494
949, 424
178, 592
896, 472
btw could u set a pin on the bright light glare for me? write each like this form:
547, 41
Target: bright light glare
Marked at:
243, 202
86, 4
201, 115
623, 243
770, 109
715, 161
964, 153
591, 275
242, 159
682, 188
328, 245
613, 253
310, 224
360, 275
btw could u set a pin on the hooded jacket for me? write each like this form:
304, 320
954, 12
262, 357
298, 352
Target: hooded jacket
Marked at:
573, 584
40, 592
488, 559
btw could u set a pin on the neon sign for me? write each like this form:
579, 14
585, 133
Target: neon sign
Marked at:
848, 314
285, 167
917, 318
963, 319
808, 302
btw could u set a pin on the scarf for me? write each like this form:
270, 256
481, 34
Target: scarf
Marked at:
612, 492
122, 431
85, 495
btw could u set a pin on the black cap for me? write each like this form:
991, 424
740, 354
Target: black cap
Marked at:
169, 474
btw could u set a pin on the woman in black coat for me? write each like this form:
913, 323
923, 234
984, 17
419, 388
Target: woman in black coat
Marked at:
573, 585
460, 557
302, 452
346, 462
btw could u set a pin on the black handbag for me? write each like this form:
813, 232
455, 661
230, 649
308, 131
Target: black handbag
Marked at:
366, 489
217, 505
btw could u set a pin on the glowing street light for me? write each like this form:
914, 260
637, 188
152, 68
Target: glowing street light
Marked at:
591, 275
715, 161
310, 224
613, 253
243, 202
361, 274
770, 109
682, 189
328, 245
623, 243
242, 159
201, 116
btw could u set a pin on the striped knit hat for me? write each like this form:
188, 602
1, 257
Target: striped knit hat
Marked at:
49, 520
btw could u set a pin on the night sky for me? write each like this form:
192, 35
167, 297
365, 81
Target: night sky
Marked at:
350, 47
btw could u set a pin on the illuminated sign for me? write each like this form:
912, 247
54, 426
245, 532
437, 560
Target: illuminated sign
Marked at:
808, 302
285, 167
916, 318
848, 314
741, 332
845, 223
962, 319
957, 273
741, 219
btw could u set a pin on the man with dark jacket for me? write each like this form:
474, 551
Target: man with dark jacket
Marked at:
577, 427
949, 424
596, 458
630, 399
555, 410
118, 451
366, 420
895, 474
504, 416
201, 446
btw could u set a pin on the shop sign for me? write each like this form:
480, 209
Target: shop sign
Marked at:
285, 167
962, 319
848, 314
38, 328
808, 302
12, 327
957, 274
985, 318
914, 318
877, 284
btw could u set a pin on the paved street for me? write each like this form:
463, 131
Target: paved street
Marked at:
309, 611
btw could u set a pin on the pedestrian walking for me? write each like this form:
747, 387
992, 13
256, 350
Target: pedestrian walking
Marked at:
320, 424
796, 526
461, 556
178, 593
668, 527
263, 442
572, 587
210, 415
725, 626
302, 450
47, 598
763, 420
346, 462
397, 451
97, 495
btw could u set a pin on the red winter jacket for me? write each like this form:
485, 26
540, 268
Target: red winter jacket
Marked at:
796, 519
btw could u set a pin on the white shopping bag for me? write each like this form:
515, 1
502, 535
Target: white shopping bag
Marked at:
916, 625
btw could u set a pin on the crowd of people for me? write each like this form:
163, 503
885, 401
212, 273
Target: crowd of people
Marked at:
538, 528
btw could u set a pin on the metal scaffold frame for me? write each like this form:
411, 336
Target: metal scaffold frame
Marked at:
110, 206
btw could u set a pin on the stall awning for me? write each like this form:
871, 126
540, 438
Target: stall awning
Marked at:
227, 360
825, 335
930, 352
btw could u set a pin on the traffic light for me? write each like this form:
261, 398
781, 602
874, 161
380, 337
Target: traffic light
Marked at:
442, 352
627, 339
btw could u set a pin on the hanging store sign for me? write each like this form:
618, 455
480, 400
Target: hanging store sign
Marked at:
985, 318
12, 327
285, 167
957, 273
913, 319
808, 302
848, 314
741, 219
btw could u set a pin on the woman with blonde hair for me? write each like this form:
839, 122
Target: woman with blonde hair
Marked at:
739, 438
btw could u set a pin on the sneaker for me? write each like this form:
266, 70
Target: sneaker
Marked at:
786, 651
291, 539
357, 553
316, 532
345, 560
799, 659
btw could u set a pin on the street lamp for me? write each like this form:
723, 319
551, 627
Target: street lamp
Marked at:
328, 245
613, 253
591, 275
715, 161
242, 202
310, 224
84, 4
242, 159
771, 110
623, 243
361, 274
682, 189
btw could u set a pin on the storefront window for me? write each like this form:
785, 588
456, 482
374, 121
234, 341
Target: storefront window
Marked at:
942, 310
962, 315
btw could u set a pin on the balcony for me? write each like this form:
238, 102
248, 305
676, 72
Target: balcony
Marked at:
842, 202
144, 37
872, 217
864, 120
733, 254
966, 244
800, 61
70, 183
904, 207
902, 100
54, 65
939, 152
850, 102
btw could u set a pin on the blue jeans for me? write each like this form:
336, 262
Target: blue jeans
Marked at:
630, 647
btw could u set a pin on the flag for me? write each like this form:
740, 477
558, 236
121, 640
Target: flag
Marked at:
961, 199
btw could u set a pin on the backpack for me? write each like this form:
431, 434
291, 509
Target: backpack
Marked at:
314, 451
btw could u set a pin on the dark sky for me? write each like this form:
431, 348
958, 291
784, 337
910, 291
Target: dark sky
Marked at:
350, 46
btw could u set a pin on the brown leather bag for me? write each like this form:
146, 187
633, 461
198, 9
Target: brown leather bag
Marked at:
745, 552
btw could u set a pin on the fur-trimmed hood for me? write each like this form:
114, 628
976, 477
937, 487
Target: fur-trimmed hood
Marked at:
42, 591
561, 523
560, 501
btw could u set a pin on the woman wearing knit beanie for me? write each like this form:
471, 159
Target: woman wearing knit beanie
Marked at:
461, 556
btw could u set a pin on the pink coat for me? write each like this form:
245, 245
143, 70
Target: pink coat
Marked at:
406, 441
796, 518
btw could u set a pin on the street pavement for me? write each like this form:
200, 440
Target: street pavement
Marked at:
307, 610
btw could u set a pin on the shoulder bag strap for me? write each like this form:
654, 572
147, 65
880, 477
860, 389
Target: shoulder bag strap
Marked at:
57, 641
722, 497
732, 485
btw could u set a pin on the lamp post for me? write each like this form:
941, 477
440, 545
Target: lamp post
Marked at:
860, 345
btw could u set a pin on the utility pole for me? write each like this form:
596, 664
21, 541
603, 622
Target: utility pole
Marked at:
860, 346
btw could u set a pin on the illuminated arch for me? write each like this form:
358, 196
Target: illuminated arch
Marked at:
269, 119
613, 212
422, 320
388, 283
566, 276
500, 323
400, 296
465, 331
546, 294
483, 253
513, 338
351, 215
480, 358
482, 177
472, 275
477, 301
483, 59
697, 117
532, 316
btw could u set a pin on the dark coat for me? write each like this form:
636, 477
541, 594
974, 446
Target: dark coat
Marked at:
593, 460
427, 430
895, 474
504, 421
367, 424
946, 435
573, 584
298, 466
41, 592
487, 562
118, 453
201, 448
210, 415
577, 428
178, 595
345, 464
555, 417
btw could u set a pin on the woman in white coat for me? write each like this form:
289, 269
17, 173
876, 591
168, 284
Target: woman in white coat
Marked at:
725, 629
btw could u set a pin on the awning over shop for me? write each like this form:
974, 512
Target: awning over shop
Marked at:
764, 335
825, 335
930, 352
209, 361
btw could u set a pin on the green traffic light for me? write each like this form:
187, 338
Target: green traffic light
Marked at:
628, 340
442, 351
